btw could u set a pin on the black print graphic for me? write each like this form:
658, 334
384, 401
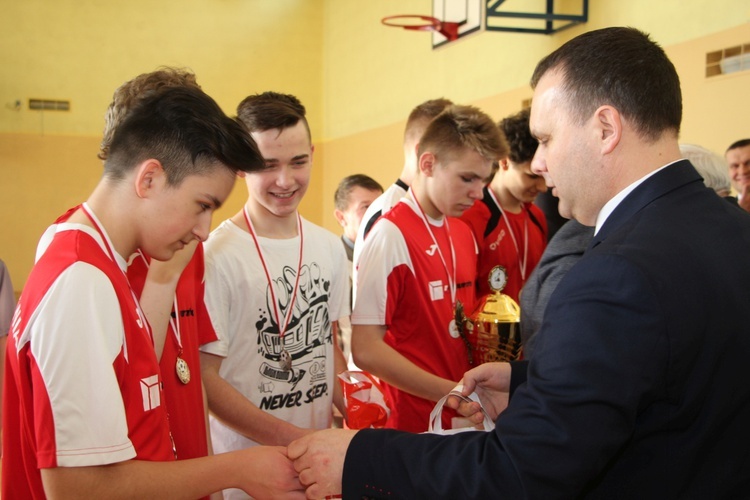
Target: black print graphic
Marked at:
307, 334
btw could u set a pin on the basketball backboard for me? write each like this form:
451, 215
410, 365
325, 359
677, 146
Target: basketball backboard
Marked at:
467, 13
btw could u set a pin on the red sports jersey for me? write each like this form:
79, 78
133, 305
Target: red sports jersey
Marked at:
403, 285
492, 229
184, 401
82, 387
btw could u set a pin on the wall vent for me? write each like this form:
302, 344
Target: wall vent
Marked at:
729, 60
49, 105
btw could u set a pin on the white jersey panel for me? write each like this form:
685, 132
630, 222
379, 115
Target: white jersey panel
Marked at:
383, 251
89, 414
382, 204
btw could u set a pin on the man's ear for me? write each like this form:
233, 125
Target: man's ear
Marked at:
150, 176
608, 123
427, 162
339, 216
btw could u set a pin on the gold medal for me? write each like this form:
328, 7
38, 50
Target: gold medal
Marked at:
183, 370
460, 320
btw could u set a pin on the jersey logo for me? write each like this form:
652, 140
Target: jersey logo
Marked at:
431, 251
500, 236
436, 290
150, 392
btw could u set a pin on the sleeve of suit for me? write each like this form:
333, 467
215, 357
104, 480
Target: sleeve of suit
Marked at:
599, 361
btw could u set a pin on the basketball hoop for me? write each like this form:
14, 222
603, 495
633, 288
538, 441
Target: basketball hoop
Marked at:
417, 22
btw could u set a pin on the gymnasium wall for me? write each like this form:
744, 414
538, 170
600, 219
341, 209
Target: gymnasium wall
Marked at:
357, 78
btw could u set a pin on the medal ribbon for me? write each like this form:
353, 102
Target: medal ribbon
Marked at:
521, 263
288, 315
458, 316
451, 279
97, 225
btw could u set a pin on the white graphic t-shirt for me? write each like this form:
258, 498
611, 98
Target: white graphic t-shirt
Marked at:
241, 309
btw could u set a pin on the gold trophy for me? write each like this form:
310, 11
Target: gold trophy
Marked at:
493, 328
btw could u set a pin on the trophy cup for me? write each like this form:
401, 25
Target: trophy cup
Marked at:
493, 328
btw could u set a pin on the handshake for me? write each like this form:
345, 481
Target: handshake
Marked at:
315, 461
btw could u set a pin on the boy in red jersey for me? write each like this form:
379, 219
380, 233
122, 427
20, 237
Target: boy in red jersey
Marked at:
83, 405
171, 292
511, 231
418, 264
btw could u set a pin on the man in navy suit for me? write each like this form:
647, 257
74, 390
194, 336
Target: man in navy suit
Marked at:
638, 385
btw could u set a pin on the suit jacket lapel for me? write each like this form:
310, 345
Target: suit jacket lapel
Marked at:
653, 188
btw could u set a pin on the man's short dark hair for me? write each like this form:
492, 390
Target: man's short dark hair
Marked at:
621, 67
739, 144
186, 131
516, 129
271, 110
341, 196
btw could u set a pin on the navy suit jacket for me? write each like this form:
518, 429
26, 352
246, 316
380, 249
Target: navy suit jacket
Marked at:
639, 385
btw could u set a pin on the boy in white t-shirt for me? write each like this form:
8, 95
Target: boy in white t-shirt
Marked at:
275, 286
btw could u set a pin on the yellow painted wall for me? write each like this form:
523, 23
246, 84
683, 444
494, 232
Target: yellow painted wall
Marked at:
357, 78
81, 51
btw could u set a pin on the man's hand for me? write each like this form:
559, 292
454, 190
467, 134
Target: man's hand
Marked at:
491, 382
319, 460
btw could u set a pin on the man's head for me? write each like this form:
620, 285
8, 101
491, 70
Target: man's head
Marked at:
130, 93
600, 97
515, 175
738, 158
457, 154
278, 125
419, 118
182, 153
353, 195
710, 166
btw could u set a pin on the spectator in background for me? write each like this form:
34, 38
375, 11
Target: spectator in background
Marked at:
738, 158
711, 166
354, 194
